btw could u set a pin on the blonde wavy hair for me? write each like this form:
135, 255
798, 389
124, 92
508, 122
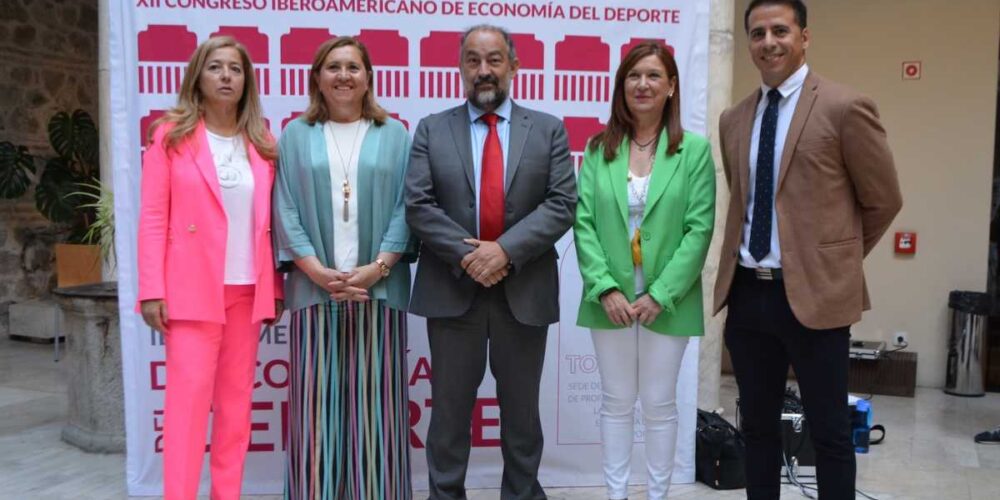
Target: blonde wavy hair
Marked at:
188, 111
317, 111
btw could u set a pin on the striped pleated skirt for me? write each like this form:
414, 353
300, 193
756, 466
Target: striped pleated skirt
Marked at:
348, 419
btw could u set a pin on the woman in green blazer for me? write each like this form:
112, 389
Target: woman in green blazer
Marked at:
643, 225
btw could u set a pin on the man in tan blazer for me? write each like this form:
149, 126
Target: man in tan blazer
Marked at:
813, 188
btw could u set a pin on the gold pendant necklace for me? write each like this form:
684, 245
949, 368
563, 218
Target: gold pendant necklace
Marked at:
345, 187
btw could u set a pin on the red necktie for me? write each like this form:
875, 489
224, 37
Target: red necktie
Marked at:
491, 184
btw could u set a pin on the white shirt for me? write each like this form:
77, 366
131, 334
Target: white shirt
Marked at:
790, 90
343, 144
637, 188
478, 130
236, 184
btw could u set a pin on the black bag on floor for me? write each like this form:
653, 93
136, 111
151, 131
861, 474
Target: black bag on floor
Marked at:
719, 453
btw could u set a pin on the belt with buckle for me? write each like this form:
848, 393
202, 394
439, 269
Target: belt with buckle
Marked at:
764, 273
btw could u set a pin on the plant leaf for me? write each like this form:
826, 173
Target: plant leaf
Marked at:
62, 134
53, 195
75, 137
16, 167
88, 141
102, 229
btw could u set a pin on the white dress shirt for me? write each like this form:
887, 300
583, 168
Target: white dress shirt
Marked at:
790, 90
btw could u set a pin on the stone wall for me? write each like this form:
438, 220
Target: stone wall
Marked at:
48, 63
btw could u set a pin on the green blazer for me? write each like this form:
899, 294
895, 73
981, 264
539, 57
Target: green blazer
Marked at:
302, 205
676, 230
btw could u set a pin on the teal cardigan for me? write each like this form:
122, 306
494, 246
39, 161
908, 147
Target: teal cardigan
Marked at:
676, 230
303, 214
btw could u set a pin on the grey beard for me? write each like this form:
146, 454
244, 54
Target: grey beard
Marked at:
487, 99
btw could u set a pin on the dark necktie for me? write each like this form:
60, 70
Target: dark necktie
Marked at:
763, 191
491, 184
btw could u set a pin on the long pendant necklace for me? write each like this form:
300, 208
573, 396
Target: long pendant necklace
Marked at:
345, 186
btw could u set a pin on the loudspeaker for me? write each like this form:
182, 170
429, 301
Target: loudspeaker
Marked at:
800, 456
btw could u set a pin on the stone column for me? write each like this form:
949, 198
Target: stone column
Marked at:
96, 419
720, 90
109, 272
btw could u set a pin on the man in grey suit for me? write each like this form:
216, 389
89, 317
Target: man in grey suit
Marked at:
490, 189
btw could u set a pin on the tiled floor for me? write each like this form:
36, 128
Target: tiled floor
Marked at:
928, 453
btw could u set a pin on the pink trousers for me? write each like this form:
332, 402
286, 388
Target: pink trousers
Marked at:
209, 366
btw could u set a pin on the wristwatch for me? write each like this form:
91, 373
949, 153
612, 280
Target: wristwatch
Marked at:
382, 267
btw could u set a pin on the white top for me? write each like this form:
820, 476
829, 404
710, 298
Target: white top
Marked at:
343, 144
790, 90
236, 184
637, 188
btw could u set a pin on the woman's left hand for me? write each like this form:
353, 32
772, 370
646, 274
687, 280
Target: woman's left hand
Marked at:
647, 309
279, 309
365, 276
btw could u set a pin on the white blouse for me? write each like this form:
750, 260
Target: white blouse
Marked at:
343, 144
236, 182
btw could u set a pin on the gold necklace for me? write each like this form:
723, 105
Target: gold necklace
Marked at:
345, 187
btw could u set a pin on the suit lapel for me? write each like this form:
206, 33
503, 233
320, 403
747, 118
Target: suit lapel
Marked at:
463, 143
802, 109
520, 125
201, 153
745, 131
663, 171
618, 170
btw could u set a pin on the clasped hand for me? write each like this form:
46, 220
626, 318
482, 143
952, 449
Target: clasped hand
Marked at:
486, 263
351, 285
622, 313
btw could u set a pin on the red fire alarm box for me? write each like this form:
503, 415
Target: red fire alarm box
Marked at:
906, 243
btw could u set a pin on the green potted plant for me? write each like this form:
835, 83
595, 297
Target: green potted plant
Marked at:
101, 231
58, 189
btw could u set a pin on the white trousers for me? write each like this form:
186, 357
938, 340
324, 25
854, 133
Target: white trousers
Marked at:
635, 362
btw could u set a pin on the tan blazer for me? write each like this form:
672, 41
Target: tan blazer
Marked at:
836, 195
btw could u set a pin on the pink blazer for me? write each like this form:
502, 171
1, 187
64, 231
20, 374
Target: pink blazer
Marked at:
183, 228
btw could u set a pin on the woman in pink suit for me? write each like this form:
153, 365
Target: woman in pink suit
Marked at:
206, 272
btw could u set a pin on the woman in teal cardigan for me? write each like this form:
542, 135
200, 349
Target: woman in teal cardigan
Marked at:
340, 230
644, 221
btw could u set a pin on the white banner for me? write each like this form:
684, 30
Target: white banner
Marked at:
568, 50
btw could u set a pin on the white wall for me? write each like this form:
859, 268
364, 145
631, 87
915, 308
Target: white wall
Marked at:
941, 130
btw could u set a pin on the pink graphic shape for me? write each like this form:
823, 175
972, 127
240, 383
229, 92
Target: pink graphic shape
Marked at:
163, 54
406, 124
582, 69
579, 130
439, 76
166, 43
294, 115
390, 55
298, 47
583, 53
636, 41
145, 122
530, 51
256, 44
529, 83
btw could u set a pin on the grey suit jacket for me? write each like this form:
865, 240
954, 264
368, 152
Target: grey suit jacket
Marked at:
440, 198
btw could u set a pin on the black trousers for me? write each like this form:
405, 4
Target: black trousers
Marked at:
460, 348
764, 337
